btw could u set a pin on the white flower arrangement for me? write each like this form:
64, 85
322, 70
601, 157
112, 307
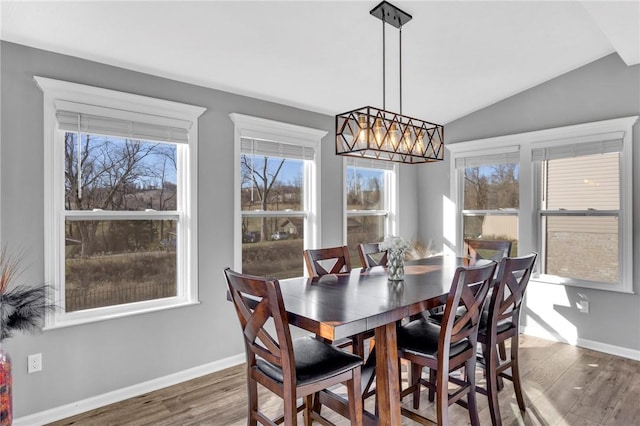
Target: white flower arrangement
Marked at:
395, 243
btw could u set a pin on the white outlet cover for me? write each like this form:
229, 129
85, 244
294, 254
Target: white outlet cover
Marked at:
34, 363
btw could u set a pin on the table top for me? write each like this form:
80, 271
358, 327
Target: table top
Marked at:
341, 305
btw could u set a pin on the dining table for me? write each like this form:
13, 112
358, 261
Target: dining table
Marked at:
336, 306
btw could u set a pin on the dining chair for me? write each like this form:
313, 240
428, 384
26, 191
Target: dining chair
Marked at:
494, 250
372, 255
334, 260
487, 249
331, 260
290, 368
501, 322
447, 347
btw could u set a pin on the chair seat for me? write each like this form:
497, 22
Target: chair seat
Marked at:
484, 319
421, 337
438, 316
314, 361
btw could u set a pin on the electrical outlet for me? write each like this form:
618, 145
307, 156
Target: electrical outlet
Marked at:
34, 363
583, 306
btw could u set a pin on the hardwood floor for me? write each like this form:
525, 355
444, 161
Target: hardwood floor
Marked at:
563, 385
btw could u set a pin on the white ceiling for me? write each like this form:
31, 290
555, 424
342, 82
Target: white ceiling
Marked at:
326, 56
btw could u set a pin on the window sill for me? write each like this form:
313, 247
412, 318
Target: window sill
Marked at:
84, 317
555, 280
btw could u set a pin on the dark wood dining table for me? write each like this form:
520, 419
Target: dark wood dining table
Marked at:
342, 305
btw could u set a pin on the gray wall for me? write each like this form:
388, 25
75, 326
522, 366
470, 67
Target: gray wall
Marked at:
601, 90
88, 360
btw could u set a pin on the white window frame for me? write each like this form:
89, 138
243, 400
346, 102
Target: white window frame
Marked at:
507, 154
530, 219
61, 95
390, 201
249, 127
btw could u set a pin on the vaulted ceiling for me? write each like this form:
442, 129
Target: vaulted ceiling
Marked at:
326, 56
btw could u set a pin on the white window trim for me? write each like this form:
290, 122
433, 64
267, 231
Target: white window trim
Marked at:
390, 212
458, 183
248, 127
528, 225
57, 94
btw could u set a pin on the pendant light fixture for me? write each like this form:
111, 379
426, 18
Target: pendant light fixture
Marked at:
375, 133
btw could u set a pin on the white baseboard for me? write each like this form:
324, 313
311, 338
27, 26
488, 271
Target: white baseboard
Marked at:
583, 343
98, 401
92, 403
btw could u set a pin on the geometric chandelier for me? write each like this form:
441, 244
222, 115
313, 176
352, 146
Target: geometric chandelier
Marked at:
375, 133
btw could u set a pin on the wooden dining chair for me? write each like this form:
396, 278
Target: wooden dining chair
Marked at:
499, 322
447, 347
495, 250
323, 261
291, 369
372, 255
334, 260
487, 249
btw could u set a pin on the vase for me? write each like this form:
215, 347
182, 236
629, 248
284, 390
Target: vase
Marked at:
6, 384
395, 265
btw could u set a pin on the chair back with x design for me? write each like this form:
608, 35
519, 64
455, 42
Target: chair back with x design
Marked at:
259, 342
468, 290
372, 255
324, 261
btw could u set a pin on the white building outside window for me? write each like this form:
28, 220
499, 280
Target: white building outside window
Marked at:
575, 200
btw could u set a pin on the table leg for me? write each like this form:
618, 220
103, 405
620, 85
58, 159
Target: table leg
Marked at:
387, 384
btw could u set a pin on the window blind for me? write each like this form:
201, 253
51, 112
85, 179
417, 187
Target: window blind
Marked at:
276, 149
368, 163
608, 145
463, 162
112, 126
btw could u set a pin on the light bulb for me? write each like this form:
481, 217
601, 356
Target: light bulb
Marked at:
393, 136
378, 132
363, 125
406, 138
419, 143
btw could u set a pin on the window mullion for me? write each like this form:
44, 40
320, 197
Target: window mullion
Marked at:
580, 212
367, 212
120, 215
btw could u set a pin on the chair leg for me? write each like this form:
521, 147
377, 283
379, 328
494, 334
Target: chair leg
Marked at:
483, 347
414, 375
317, 406
400, 373
442, 397
491, 364
496, 361
252, 391
503, 351
355, 399
290, 408
432, 380
308, 406
472, 405
357, 343
515, 373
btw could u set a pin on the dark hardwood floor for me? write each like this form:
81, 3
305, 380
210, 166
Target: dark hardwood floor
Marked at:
563, 385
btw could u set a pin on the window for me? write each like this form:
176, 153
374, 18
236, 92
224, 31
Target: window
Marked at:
490, 196
276, 195
574, 187
120, 185
579, 209
370, 194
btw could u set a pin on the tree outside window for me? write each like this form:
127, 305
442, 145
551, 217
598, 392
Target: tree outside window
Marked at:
111, 261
